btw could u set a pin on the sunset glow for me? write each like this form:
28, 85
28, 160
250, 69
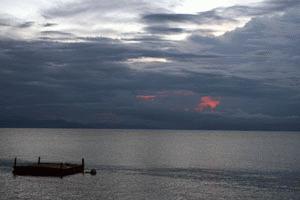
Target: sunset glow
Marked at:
146, 97
207, 102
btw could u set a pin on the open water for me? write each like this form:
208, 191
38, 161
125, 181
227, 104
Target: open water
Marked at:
155, 164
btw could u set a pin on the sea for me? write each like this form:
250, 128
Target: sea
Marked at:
154, 164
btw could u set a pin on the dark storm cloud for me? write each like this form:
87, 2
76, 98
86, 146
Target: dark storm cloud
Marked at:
253, 71
50, 81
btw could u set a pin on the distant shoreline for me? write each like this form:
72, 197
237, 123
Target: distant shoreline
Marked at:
154, 129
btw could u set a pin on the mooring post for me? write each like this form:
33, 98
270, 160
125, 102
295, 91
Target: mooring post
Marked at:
61, 170
39, 161
15, 162
82, 164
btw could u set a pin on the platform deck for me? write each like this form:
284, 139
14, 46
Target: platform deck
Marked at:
48, 169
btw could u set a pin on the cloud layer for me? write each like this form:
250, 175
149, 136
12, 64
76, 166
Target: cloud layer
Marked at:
149, 79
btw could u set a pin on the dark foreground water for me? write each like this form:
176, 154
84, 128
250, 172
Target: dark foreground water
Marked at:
144, 164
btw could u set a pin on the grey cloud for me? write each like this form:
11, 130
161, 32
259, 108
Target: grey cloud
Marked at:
217, 15
6, 20
164, 30
99, 7
2, 23
50, 24
50, 81
9, 21
25, 25
57, 33
201, 18
264, 8
168, 17
254, 71
113, 13
266, 48
220, 15
281, 4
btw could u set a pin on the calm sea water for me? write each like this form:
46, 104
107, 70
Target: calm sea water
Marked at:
155, 164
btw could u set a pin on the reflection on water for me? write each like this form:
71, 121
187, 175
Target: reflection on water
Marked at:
143, 164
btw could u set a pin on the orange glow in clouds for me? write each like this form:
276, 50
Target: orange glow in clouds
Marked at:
207, 102
145, 97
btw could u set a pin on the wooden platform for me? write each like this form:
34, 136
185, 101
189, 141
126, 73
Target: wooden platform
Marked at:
47, 169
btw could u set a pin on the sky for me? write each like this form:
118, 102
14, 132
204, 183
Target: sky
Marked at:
169, 64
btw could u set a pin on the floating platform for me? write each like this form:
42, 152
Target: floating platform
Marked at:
47, 169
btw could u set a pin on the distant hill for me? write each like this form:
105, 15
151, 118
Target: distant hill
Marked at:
59, 123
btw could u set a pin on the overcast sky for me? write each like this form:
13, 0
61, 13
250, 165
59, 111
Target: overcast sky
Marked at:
179, 64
